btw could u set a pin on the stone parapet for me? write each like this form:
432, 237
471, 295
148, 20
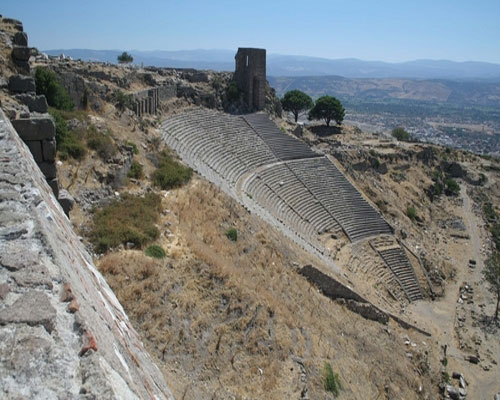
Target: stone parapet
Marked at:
63, 333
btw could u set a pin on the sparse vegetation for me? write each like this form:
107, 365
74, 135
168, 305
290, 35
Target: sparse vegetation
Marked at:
327, 108
296, 102
101, 143
155, 251
232, 234
125, 58
68, 143
135, 171
411, 212
452, 188
442, 184
48, 85
123, 100
170, 174
491, 273
135, 149
401, 134
331, 380
130, 219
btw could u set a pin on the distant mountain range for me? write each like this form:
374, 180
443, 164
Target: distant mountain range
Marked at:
300, 66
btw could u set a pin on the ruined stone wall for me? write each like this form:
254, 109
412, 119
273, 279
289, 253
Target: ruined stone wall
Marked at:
250, 75
63, 333
147, 101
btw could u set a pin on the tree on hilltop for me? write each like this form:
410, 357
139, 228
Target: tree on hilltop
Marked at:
125, 58
328, 108
401, 134
491, 273
296, 102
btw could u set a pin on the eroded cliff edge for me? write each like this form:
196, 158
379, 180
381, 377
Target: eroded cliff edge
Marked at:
63, 333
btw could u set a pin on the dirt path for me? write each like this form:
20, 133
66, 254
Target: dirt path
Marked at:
440, 316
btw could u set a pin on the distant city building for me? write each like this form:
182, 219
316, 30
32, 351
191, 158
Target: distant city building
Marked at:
250, 76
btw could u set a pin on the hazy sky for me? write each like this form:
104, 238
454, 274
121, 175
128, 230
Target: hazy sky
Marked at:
386, 30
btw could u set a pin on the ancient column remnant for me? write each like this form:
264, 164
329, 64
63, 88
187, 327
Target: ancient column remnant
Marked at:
250, 76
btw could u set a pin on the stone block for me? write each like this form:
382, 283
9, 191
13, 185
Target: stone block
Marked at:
66, 201
49, 150
21, 53
21, 84
54, 185
40, 128
18, 25
22, 66
35, 147
32, 308
34, 103
20, 39
48, 169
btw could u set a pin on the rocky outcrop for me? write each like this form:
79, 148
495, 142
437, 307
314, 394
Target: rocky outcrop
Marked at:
63, 334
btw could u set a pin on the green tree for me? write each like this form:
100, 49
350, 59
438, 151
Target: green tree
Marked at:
296, 102
401, 134
328, 108
491, 273
47, 84
125, 58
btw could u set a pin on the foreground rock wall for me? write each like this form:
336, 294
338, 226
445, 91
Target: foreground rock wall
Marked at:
63, 334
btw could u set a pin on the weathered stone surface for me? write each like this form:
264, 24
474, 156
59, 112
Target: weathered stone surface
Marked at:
66, 201
42, 340
32, 308
34, 277
18, 255
21, 53
21, 84
54, 185
36, 128
35, 147
34, 103
368, 311
48, 169
49, 150
18, 25
20, 39
22, 66
4, 291
452, 392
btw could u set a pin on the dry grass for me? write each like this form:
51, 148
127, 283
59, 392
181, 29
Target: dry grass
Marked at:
228, 318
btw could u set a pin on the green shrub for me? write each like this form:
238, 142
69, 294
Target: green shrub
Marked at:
233, 91
135, 149
155, 251
170, 173
489, 212
495, 232
101, 143
452, 187
401, 134
232, 234
135, 171
47, 84
331, 380
123, 100
68, 143
128, 219
411, 212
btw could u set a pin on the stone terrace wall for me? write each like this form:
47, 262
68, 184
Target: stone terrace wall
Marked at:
63, 333
147, 101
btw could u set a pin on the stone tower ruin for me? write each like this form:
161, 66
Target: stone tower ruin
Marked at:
250, 76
